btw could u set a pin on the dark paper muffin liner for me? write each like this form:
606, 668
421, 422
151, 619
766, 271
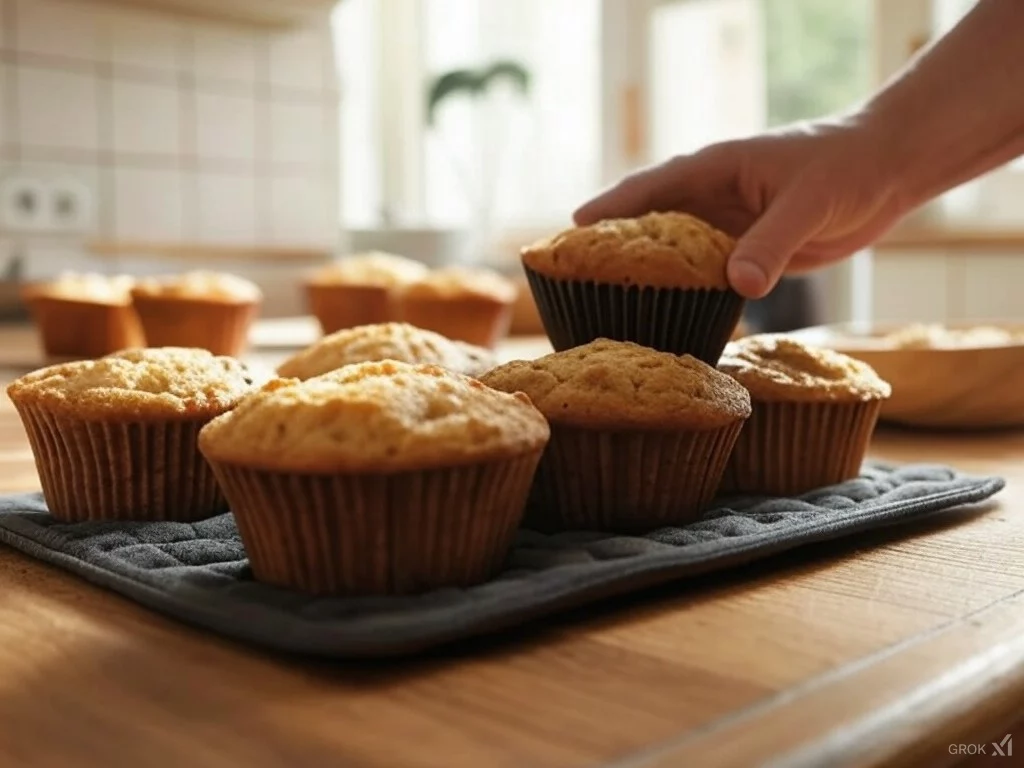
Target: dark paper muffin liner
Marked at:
218, 326
789, 448
375, 534
695, 322
121, 470
627, 482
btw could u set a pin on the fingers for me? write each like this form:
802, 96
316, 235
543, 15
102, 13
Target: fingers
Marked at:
660, 187
762, 254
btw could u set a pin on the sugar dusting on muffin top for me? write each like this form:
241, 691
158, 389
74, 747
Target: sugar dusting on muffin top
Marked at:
200, 284
620, 385
91, 287
775, 367
462, 282
374, 417
386, 341
373, 268
661, 250
139, 384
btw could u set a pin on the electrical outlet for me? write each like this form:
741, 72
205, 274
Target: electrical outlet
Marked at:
70, 205
24, 205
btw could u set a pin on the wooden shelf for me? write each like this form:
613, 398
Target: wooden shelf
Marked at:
269, 13
952, 239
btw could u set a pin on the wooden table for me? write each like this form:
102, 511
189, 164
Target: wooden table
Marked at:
896, 649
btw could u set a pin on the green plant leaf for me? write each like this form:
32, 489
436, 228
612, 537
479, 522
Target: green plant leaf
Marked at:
474, 83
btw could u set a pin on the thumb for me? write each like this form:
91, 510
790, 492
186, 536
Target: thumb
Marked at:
761, 255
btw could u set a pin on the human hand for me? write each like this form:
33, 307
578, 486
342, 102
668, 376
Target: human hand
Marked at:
796, 199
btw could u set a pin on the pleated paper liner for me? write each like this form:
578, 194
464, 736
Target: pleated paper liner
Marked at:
787, 448
221, 327
337, 307
121, 470
627, 482
83, 329
374, 534
695, 322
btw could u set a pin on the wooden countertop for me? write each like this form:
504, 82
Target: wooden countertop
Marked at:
887, 650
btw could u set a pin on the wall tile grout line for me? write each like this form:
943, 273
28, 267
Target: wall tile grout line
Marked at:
188, 134
12, 107
106, 204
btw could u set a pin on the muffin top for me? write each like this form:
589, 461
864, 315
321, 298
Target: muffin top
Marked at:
620, 385
138, 384
661, 250
386, 341
375, 268
91, 287
775, 368
374, 417
464, 282
214, 286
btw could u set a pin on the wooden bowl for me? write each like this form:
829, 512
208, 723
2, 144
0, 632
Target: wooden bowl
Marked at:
976, 387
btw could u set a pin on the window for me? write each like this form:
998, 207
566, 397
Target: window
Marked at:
523, 160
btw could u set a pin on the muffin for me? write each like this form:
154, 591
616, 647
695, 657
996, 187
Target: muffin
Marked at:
639, 438
473, 305
359, 290
386, 341
115, 438
84, 315
204, 310
658, 280
377, 478
814, 411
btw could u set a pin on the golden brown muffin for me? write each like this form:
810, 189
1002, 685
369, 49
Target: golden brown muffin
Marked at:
86, 315
386, 341
661, 250
359, 290
380, 477
658, 280
814, 411
115, 438
639, 438
473, 305
205, 310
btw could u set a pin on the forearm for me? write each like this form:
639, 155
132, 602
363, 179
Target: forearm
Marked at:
958, 110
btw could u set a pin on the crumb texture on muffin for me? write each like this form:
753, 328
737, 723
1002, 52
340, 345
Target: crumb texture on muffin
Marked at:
620, 385
374, 417
775, 367
91, 287
374, 268
660, 250
200, 284
463, 282
139, 384
386, 341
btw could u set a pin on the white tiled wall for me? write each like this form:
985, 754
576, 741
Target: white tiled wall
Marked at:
947, 286
188, 130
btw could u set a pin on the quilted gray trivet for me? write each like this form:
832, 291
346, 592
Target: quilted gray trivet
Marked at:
198, 572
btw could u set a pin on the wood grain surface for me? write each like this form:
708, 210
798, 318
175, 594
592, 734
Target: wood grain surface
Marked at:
888, 650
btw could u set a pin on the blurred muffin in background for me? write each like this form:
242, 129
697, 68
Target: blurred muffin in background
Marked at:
525, 315
358, 290
386, 341
467, 304
204, 310
84, 315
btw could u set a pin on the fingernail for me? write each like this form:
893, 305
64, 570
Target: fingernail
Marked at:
748, 279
